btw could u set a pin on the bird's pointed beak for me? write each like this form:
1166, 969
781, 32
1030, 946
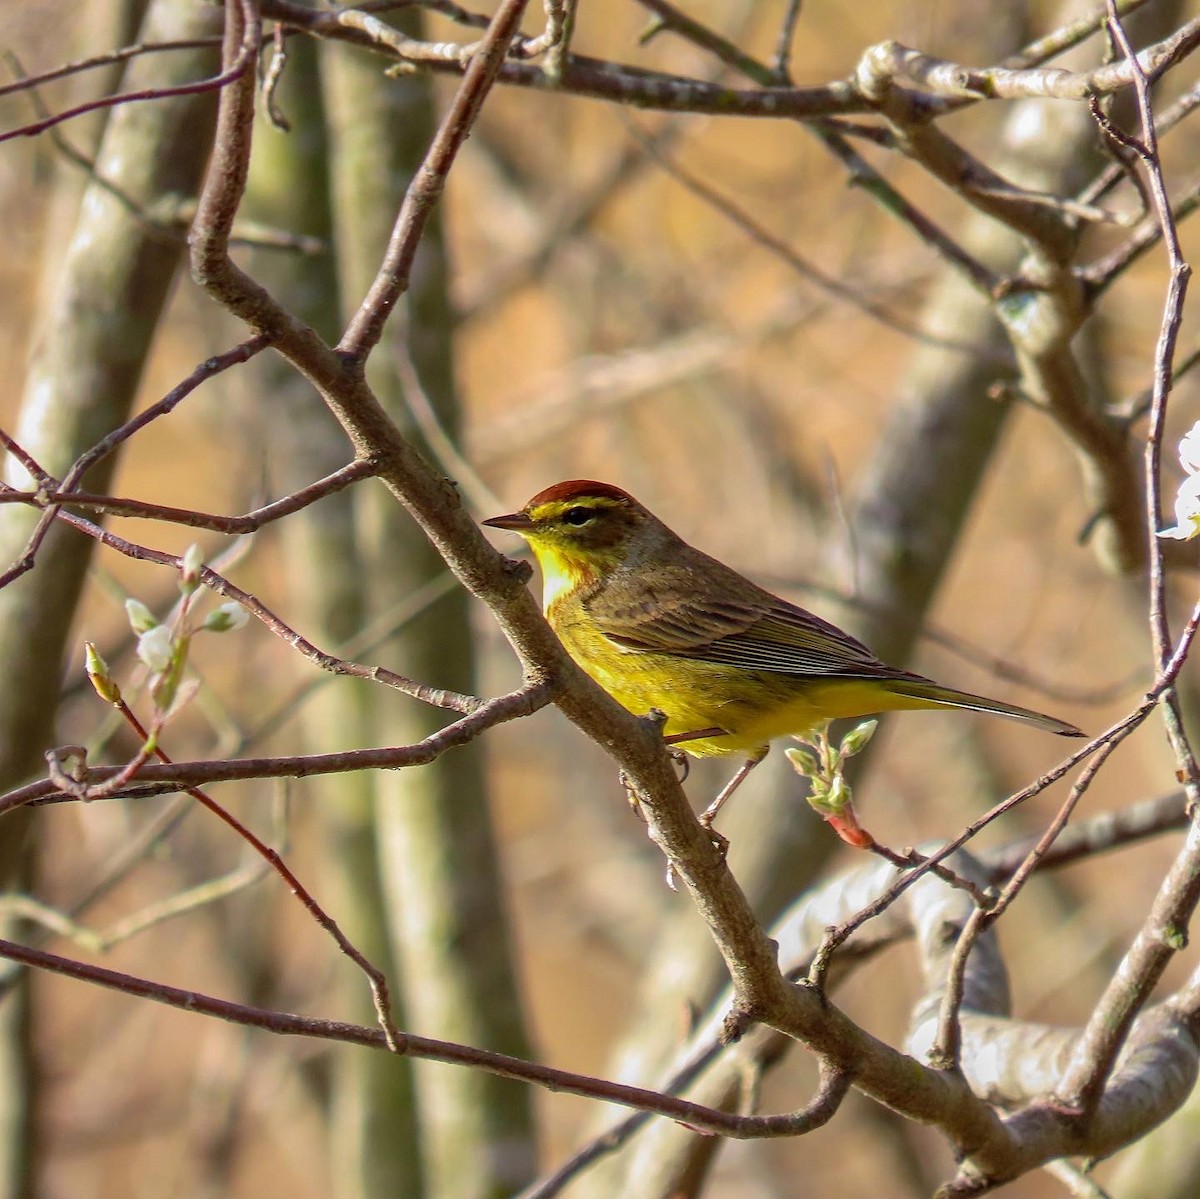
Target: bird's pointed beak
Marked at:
514, 522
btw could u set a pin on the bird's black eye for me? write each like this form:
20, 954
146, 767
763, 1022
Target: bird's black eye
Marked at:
577, 516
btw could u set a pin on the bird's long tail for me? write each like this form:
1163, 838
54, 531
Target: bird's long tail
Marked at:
923, 694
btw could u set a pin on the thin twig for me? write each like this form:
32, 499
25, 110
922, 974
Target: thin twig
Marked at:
1097, 834
376, 979
215, 83
863, 175
1152, 949
248, 522
436, 696
672, 18
423, 193
1115, 733
158, 779
910, 858
206, 370
783, 43
1066, 37
694, 1115
948, 1043
1165, 121
829, 285
124, 54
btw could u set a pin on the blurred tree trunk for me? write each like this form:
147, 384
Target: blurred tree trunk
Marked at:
373, 1145
91, 344
438, 855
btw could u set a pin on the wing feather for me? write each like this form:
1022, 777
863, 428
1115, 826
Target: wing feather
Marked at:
691, 615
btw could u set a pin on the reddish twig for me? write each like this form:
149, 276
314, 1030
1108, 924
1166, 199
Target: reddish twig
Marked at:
376, 979
215, 83
124, 54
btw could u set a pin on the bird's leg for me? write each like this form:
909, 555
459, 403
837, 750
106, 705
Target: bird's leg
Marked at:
710, 813
696, 735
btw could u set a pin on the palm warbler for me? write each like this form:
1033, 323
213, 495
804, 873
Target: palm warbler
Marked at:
659, 624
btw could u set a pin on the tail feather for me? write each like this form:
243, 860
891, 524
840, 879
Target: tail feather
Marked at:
934, 695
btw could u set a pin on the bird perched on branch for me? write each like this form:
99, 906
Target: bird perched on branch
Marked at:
661, 625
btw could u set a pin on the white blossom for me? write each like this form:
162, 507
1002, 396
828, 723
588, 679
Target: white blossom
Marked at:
1187, 499
156, 648
1189, 450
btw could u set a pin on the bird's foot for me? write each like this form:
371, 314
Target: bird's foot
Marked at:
683, 764
719, 841
635, 804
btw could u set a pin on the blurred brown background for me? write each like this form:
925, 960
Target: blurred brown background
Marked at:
611, 324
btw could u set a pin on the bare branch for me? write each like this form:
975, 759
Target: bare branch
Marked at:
235, 71
161, 780
891, 62
124, 54
583, 76
286, 1024
249, 522
425, 189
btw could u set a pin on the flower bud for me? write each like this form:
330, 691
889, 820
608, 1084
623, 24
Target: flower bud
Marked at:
839, 796
99, 675
855, 741
805, 763
228, 616
141, 619
830, 797
191, 565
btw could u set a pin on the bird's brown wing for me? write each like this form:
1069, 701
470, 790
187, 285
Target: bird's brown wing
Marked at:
694, 617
